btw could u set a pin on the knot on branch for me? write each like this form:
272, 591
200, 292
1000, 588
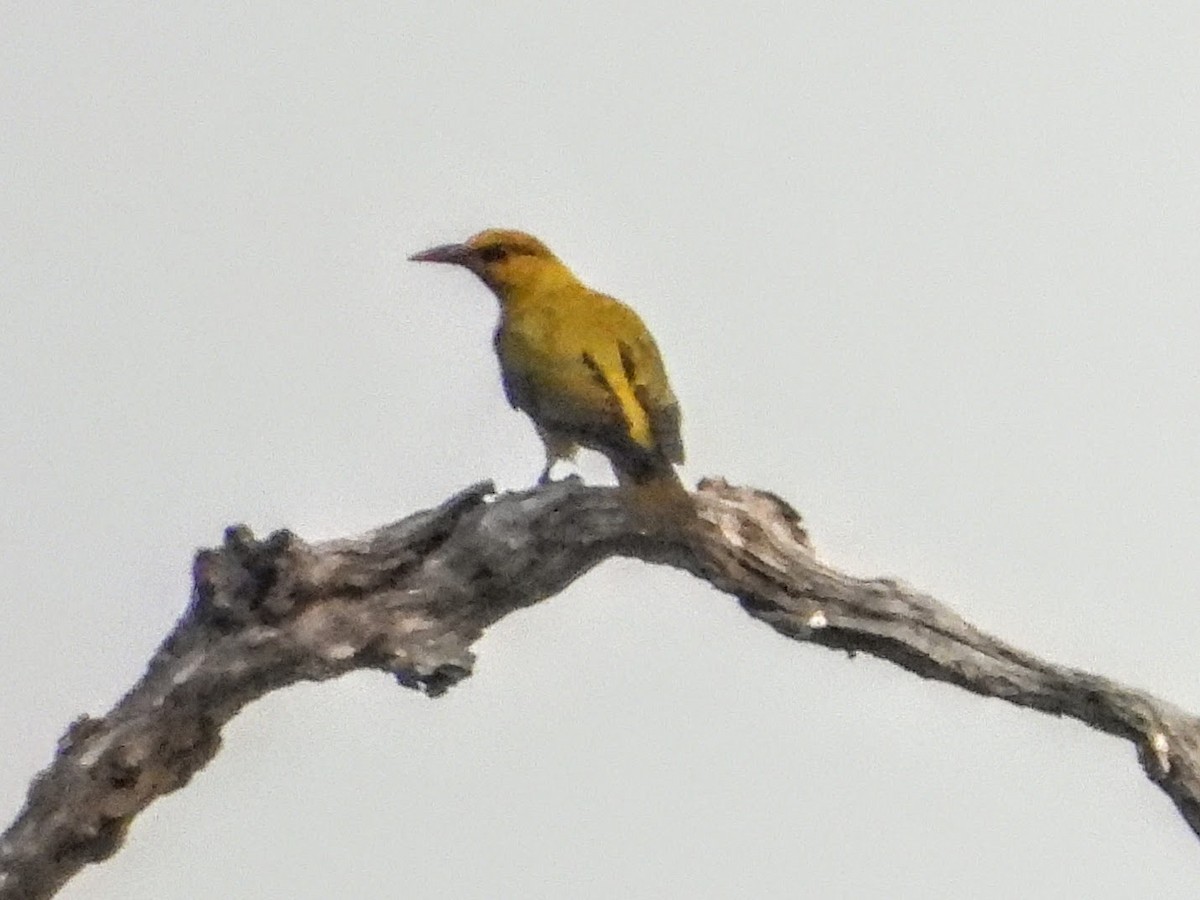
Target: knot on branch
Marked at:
766, 510
436, 681
247, 581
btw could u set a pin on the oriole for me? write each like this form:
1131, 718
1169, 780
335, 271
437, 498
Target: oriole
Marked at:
580, 364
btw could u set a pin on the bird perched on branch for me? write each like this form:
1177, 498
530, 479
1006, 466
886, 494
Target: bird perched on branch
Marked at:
580, 364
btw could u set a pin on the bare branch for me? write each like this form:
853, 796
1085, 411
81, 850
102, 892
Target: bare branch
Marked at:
412, 597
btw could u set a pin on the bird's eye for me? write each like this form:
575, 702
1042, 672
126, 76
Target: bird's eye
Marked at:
493, 253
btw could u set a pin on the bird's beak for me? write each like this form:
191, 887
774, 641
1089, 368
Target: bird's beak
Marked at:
454, 254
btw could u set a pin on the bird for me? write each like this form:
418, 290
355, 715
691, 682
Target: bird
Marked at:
582, 365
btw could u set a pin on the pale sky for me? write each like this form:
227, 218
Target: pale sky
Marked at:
929, 271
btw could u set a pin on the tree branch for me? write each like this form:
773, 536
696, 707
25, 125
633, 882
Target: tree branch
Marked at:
412, 597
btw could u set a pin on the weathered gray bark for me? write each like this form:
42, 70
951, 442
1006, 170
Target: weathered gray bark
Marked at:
412, 597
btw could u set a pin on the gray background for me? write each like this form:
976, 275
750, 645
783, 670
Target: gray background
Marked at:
927, 270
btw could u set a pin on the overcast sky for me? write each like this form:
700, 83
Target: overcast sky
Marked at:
929, 271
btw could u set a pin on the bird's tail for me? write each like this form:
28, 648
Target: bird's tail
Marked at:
656, 494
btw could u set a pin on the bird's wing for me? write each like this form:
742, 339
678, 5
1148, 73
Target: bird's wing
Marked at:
556, 387
603, 383
643, 367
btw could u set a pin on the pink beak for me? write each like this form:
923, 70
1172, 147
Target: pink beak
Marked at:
454, 254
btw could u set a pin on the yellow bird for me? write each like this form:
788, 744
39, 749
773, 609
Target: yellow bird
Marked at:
580, 364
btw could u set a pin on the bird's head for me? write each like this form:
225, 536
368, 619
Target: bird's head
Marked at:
509, 262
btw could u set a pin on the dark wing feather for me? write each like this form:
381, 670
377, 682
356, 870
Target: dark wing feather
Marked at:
645, 372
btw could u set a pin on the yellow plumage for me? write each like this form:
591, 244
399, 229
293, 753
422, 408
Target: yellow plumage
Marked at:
581, 364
